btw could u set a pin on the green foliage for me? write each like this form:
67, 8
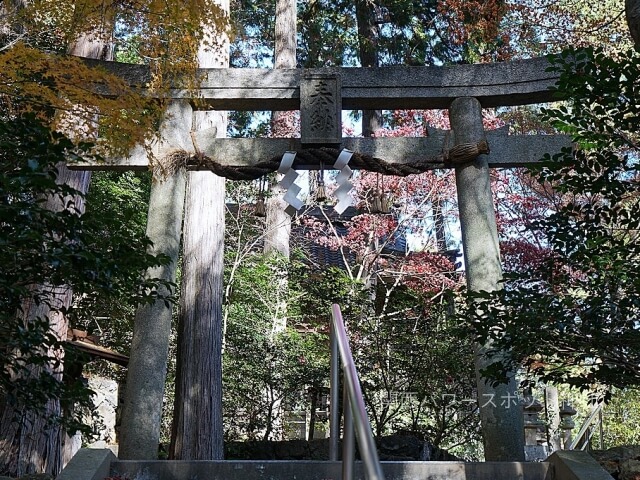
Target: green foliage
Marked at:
117, 204
416, 369
580, 324
326, 287
621, 417
268, 364
46, 252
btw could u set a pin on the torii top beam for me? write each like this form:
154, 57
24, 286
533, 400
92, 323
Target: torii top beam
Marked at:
321, 94
512, 83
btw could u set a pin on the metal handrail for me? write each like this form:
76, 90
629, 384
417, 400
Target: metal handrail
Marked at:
355, 403
581, 433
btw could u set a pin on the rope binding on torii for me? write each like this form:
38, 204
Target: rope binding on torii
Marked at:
456, 155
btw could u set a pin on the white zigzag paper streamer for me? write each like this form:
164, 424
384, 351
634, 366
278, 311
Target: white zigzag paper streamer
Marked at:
288, 183
344, 185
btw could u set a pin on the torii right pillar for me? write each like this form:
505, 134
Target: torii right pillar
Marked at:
500, 411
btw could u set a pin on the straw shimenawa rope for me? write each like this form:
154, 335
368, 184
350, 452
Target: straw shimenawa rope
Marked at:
457, 155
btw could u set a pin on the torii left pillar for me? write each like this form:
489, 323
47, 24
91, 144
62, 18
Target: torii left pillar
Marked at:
500, 412
146, 375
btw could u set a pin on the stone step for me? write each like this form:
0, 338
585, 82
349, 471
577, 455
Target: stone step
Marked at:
98, 464
326, 470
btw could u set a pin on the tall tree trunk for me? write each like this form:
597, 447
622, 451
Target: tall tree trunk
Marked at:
367, 43
278, 223
28, 442
371, 119
197, 432
197, 421
438, 220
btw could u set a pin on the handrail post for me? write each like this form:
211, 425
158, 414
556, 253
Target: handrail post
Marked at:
334, 413
580, 437
348, 441
366, 443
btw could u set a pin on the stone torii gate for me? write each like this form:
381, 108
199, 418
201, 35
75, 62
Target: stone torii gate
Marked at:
493, 85
320, 95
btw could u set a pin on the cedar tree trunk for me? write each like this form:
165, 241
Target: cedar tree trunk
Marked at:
28, 442
197, 432
278, 223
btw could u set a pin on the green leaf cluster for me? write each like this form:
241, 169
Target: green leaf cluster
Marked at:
50, 252
269, 364
575, 319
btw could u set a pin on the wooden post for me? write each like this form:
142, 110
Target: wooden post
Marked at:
500, 413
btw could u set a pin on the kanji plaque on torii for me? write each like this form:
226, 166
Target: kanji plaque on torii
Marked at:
320, 109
